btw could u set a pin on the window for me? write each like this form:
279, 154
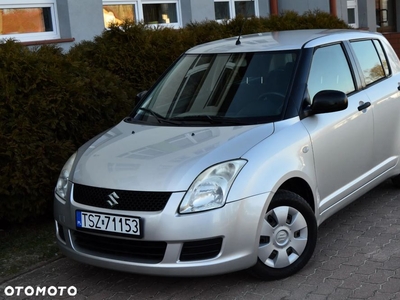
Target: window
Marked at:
222, 10
29, 20
234, 85
157, 13
371, 63
382, 57
118, 13
352, 13
330, 71
164, 13
244, 8
229, 9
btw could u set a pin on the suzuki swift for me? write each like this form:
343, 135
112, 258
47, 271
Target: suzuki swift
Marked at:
235, 156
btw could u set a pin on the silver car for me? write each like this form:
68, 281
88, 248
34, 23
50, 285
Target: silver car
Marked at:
235, 156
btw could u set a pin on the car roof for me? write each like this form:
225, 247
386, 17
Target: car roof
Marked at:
280, 40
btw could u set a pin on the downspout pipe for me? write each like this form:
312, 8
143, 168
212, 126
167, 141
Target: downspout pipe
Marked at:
273, 7
332, 7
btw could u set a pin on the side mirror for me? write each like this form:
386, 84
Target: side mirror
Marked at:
327, 101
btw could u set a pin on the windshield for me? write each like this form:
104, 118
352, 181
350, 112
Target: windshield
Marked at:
224, 89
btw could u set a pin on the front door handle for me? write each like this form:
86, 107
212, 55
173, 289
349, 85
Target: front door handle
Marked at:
364, 105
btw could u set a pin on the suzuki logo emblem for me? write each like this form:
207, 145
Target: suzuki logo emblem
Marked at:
112, 199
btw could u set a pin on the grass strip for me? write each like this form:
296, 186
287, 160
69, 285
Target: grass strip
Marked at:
26, 245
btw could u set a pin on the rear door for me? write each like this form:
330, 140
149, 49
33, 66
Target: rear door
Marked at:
342, 141
381, 85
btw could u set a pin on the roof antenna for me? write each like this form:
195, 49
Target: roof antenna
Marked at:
238, 42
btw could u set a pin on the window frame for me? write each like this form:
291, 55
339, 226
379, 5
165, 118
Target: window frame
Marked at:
348, 61
232, 11
139, 15
378, 55
33, 36
383, 57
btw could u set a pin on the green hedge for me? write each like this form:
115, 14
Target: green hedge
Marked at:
51, 102
49, 106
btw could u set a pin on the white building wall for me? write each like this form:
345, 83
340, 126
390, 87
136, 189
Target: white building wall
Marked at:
80, 19
197, 10
367, 14
263, 5
301, 6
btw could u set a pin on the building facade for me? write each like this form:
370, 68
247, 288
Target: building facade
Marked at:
66, 22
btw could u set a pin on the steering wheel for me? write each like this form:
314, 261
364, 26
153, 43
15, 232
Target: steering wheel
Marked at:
274, 100
272, 96
266, 105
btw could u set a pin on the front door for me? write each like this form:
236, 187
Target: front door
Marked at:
342, 141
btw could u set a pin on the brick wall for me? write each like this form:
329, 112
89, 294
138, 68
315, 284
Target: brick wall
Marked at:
394, 40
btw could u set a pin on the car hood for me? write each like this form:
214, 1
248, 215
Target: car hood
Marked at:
161, 158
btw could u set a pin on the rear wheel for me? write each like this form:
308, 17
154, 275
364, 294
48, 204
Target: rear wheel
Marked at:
396, 181
287, 239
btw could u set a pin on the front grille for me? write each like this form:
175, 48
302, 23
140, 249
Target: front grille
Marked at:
118, 248
200, 250
127, 200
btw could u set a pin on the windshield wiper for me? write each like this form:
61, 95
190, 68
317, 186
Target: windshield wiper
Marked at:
157, 116
211, 120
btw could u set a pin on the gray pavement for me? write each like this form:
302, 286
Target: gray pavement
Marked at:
357, 257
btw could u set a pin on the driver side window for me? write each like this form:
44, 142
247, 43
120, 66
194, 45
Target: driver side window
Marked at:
330, 71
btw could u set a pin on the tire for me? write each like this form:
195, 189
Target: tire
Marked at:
396, 181
287, 239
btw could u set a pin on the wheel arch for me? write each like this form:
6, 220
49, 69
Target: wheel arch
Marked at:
300, 187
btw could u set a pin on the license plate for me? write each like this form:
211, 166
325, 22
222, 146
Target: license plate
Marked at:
109, 223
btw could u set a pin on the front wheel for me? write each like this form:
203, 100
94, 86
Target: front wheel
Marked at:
287, 239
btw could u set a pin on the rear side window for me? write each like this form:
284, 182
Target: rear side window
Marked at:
330, 71
372, 60
382, 57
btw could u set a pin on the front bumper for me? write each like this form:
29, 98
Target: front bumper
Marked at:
205, 243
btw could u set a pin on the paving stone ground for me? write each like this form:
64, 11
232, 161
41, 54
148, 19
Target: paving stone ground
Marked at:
357, 257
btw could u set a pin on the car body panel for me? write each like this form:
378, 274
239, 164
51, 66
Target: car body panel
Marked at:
277, 159
338, 139
168, 226
177, 156
275, 41
386, 104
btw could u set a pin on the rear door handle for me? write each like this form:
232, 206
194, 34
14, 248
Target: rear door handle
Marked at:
364, 106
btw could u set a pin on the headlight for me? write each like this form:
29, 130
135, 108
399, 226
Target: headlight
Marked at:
62, 183
210, 188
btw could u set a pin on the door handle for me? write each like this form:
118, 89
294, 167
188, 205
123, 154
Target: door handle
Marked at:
364, 106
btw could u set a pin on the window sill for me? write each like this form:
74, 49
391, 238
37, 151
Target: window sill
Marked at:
47, 42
